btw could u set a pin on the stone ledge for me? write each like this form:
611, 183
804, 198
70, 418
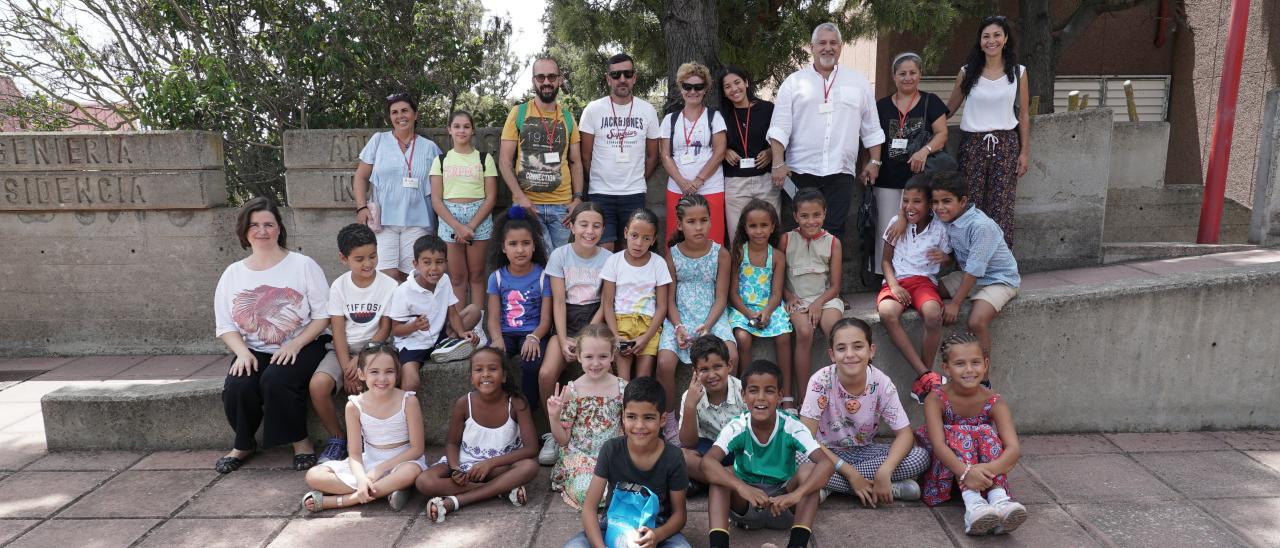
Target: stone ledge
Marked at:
112, 190
114, 150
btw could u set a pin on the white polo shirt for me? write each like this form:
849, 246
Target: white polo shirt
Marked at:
412, 300
911, 253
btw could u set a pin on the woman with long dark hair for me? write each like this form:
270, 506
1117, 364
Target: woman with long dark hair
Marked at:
747, 157
996, 121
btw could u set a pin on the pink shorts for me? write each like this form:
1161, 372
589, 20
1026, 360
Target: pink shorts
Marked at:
921, 289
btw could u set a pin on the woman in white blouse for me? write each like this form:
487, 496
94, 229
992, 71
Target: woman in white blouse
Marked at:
996, 125
270, 312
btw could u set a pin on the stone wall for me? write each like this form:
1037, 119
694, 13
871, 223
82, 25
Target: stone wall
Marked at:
1135, 148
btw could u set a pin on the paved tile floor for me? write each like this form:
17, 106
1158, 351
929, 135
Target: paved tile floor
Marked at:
1165, 489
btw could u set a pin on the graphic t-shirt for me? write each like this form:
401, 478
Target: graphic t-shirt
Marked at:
521, 298
363, 307
618, 152
694, 136
758, 116
614, 464
581, 276
773, 461
636, 286
270, 307
916, 130
545, 182
462, 175
412, 300
845, 420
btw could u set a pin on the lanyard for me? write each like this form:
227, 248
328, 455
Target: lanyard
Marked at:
688, 131
408, 160
902, 116
743, 128
622, 136
826, 88
549, 128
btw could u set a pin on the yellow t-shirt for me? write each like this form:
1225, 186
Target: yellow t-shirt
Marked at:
463, 175
544, 131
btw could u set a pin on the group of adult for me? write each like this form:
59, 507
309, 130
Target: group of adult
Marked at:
813, 132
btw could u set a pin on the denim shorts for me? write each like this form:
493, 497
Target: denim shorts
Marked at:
464, 212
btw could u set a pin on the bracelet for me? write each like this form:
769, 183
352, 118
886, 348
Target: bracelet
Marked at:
967, 467
776, 167
679, 327
361, 208
926, 145
839, 463
532, 336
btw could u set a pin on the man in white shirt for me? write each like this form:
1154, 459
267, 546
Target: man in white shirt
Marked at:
619, 148
821, 113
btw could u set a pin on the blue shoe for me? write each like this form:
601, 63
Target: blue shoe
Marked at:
334, 449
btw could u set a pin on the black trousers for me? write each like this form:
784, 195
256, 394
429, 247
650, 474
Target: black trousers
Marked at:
274, 394
838, 190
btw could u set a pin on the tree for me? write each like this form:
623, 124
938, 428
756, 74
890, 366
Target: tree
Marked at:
252, 69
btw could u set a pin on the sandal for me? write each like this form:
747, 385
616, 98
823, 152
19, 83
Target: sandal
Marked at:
517, 496
436, 506
317, 501
227, 465
304, 461
398, 498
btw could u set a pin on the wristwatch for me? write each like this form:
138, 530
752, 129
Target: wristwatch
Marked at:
579, 196
876, 162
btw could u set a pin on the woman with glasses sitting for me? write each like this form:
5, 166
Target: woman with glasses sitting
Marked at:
396, 164
692, 147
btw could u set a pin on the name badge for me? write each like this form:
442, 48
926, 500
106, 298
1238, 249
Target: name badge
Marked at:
622, 158
551, 157
409, 182
747, 163
898, 144
826, 108
688, 158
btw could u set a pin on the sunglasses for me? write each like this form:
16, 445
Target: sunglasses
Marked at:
397, 97
546, 77
620, 74
693, 87
377, 345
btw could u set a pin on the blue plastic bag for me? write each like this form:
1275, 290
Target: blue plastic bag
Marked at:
632, 507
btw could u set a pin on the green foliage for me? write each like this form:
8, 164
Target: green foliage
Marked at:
252, 69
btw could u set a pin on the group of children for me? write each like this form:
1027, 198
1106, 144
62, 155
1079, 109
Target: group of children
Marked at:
612, 434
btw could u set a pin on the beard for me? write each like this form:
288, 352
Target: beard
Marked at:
547, 94
622, 91
827, 61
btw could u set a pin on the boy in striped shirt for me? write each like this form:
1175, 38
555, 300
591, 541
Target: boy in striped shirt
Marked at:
766, 488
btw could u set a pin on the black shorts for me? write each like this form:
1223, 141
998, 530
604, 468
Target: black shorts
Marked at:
578, 316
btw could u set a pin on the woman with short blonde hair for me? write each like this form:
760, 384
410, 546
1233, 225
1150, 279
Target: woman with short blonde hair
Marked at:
692, 148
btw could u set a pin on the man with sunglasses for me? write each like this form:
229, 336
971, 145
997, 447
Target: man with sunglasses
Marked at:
821, 113
619, 148
547, 179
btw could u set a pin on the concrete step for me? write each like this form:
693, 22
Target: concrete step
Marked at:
1115, 253
1167, 214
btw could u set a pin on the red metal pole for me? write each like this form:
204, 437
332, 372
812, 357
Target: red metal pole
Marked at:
1215, 183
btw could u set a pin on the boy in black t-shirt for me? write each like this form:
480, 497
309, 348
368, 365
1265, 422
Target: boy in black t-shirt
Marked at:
639, 458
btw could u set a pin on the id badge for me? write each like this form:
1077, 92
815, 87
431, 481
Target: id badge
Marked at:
409, 182
688, 158
898, 144
551, 157
747, 163
826, 108
623, 158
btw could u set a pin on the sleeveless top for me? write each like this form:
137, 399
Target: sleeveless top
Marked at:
480, 442
809, 263
393, 430
989, 106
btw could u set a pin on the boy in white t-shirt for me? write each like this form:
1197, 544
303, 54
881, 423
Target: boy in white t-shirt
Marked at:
422, 307
358, 302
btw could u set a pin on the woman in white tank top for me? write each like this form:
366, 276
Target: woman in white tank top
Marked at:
995, 123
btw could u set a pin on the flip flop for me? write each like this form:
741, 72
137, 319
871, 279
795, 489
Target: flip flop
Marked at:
317, 501
304, 461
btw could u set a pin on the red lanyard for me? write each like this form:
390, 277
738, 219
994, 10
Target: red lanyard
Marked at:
549, 128
622, 135
688, 131
902, 116
743, 128
408, 160
826, 88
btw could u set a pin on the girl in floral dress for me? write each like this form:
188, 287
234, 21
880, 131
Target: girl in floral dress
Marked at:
969, 429
755, 293
585, 414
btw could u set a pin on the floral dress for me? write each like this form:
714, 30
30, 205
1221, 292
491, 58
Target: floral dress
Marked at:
755, 284
974, 440
591, 421
695, 294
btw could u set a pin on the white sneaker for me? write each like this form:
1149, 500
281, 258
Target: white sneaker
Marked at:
905, 490
550, 452
981, 519
482, 338
823, 494
1011, 513
452, 350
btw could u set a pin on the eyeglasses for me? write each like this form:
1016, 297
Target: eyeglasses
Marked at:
546, 77
620, 74
693, 87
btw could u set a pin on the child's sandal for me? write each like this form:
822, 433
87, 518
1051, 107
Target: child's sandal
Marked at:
436, 505
517, 496
317, 501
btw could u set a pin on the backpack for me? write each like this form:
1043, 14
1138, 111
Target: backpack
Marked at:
711, 117
523, 110
483, 156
